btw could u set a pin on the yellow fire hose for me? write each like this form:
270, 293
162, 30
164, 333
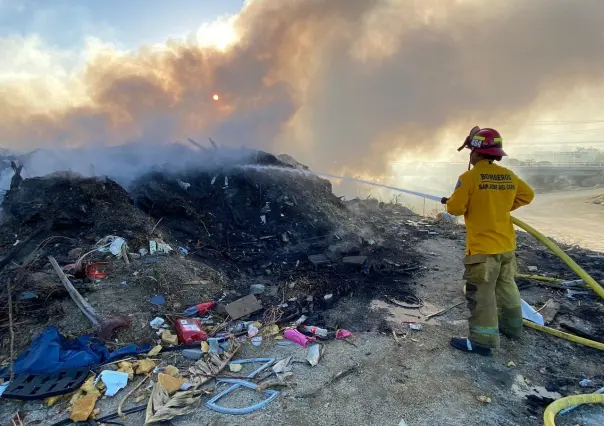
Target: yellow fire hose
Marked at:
555, 407
563, 335
539, 278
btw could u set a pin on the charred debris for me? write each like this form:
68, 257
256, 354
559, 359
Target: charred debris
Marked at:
230, 225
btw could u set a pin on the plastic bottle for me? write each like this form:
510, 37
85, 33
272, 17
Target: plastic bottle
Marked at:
190, 331
315, 330
200, 309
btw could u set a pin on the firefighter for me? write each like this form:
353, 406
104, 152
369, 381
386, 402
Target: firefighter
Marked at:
485, 195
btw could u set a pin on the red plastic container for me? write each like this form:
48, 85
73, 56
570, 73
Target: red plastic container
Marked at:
190, 331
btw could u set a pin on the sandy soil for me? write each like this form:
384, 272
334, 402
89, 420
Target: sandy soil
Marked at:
420, 379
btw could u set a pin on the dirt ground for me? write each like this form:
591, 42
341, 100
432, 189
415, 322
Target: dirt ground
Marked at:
418, 379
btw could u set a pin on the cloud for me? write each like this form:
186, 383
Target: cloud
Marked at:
340, 85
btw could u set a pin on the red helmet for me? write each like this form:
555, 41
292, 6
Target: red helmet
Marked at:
485, 141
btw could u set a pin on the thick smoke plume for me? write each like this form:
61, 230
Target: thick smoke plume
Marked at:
339, 84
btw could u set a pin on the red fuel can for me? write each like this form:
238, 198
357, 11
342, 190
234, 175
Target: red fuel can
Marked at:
190, 331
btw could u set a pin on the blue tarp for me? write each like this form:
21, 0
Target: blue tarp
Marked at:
51, 352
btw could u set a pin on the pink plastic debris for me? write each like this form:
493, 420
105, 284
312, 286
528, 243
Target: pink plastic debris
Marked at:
297, 337
343, 334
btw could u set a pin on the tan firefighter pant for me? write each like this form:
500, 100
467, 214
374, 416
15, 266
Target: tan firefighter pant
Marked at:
493, 298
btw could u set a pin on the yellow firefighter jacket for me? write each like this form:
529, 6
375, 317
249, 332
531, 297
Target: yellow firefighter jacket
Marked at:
485, 196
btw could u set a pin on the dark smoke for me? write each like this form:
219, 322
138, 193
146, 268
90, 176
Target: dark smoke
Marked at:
339, 84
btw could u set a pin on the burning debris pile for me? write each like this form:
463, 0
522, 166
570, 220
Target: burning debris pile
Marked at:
72, 205
235, 208
235, 223
232, 239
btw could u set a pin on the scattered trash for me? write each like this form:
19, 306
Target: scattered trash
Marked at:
157, 323
256, 341
297, 337
82, 408
198, 310
27, 295
190, 331
162, 407
155, 351
126, 367
446, 217
252, 331
315, 330
236, 384
586, 383
113, 380
144, 366
49, 353
484, 398
96, 271
235, 368
416, 326
314, 354
571, 294
3, 387
257, 289
532, 268
243, 307
186, 386
116, 246
169, 383
343, 334
530, 314
158, 300
184, 185
193, 354
214, 347
159, 247
168, 338
402, 423
124, 283
573, 283
183, 251
283, 366
300, 320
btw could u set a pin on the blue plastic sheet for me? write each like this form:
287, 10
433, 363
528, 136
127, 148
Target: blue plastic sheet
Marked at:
51, 352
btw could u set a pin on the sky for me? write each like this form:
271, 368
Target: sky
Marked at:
66, 24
